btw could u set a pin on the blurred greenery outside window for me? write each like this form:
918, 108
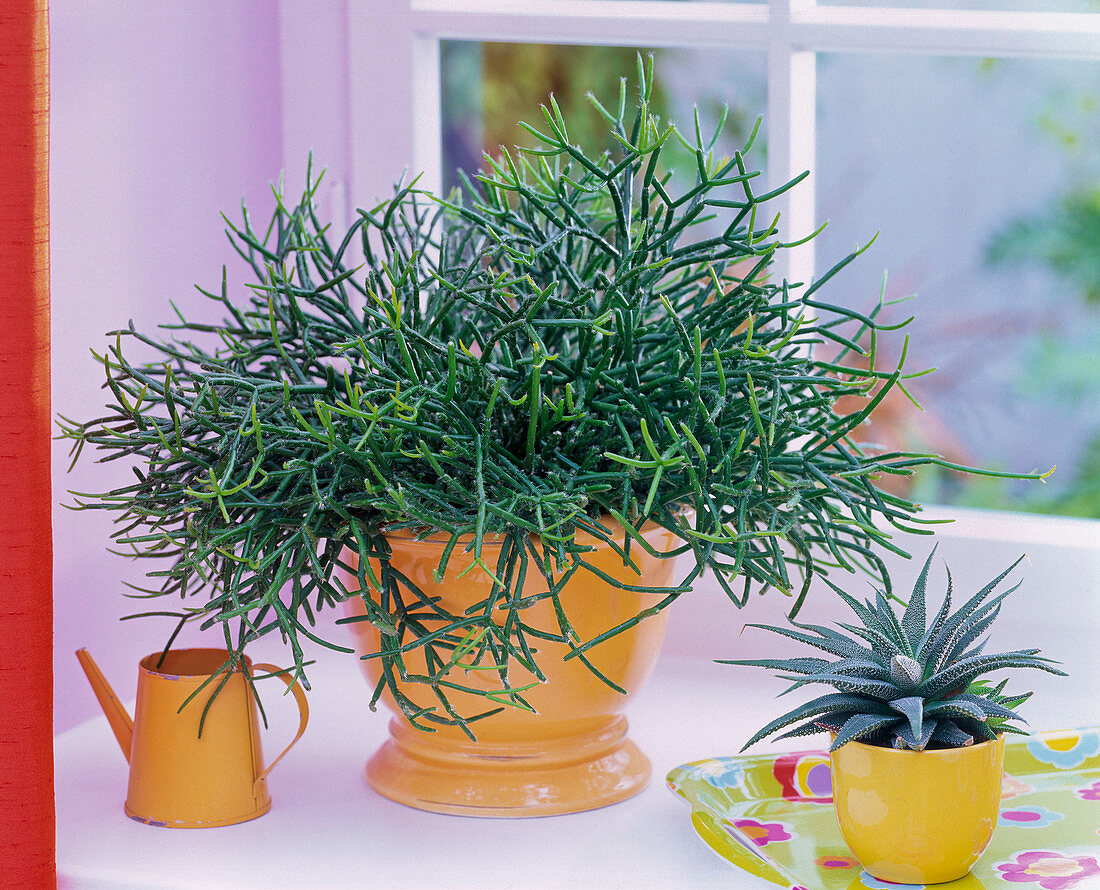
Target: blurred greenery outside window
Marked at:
1007, 302
488, 87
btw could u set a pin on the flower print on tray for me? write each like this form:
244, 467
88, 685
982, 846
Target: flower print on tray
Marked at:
840, 860
1014, 787
1064, 750
1089, 792
1029, 817
761, 833
720, 773
1050, 870
804, 776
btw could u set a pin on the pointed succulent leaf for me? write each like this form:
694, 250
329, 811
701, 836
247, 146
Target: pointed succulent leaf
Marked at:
880, 689
912, 707
913, 620
905, 672
954, 709
890, 625
965, 611
937, 623
948, 734
829, 723
788, 665
850, 647
833, 643
987, 692
911, 739
878, 640
988, 707
966, 633
835, 701
796, 683
963, 672
860, 725
976, 650
982, 732
860, 667
865, 613
1014, 701
974, 626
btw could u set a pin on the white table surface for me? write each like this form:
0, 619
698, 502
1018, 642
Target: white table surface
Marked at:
327, 828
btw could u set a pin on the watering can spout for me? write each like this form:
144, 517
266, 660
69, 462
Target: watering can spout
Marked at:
120, 721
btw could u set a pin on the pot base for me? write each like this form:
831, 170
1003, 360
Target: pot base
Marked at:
544, 777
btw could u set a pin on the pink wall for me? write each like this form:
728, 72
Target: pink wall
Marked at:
163, 114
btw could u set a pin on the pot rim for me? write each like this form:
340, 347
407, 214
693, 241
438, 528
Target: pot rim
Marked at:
496, 539
195, 658
929, 751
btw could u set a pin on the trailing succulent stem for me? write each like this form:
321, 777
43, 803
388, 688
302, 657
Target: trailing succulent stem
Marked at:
573, 339
903, 682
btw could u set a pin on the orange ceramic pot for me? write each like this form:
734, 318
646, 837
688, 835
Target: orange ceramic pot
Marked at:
917, 817
572, 753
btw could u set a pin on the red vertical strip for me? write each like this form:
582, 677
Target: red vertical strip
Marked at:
26, 572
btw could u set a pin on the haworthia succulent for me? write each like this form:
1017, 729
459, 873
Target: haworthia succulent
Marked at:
934, 694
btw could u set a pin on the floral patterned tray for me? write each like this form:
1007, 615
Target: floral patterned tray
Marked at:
772, 816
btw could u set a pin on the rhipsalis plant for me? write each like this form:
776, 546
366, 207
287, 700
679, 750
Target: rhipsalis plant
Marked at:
573, 338
901, 681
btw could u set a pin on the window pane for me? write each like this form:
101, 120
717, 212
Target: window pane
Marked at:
488, 87
992, 5
983, 177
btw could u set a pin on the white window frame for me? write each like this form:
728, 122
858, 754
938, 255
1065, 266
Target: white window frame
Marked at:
394, 66
387, 74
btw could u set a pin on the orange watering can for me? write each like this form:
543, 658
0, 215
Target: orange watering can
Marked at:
179, 778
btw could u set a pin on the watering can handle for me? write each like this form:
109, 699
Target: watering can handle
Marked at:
303, 711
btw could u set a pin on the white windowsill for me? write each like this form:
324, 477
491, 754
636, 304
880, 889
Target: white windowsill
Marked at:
328, 829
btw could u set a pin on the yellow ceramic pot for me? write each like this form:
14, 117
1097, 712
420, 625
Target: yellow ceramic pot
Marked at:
917, 817
572, 754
